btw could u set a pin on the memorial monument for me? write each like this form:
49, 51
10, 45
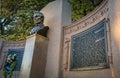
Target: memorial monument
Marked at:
87, 48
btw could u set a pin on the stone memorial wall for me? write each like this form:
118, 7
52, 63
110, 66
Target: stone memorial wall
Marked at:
86, 46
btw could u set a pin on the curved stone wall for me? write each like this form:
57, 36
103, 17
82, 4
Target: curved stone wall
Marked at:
89, 21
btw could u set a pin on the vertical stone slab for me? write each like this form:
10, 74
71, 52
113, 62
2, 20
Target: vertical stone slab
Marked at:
114, 18
57, 14
1, 46
34, 59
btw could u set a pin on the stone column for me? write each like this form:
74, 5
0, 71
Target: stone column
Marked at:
114, 17
34, 59
57, 15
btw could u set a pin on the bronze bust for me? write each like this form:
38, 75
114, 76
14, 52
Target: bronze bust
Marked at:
39, 27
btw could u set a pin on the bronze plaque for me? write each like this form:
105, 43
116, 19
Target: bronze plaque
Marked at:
89, 48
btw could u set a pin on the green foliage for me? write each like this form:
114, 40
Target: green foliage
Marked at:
9, 7
19, 15
81, 8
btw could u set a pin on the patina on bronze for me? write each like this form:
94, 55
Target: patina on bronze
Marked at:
39, 27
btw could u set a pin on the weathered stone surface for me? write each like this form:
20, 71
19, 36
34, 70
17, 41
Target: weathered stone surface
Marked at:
57, 15
114, 23
34, 59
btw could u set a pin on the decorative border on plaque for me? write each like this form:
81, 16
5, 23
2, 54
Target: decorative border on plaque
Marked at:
89, 48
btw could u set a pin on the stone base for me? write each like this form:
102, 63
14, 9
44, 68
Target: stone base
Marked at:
34, 59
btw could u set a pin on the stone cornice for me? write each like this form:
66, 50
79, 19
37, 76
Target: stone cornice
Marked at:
92, 17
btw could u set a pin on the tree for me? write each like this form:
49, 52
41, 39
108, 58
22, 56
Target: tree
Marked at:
81, 8
8, 8
19, 15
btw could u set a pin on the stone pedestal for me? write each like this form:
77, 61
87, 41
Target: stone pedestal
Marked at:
34, 59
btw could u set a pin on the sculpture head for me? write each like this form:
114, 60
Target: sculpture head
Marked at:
39, 27
38, 17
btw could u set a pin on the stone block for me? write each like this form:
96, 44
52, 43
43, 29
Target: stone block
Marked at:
34, 59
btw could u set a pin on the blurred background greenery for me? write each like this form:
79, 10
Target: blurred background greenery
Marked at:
16, 16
